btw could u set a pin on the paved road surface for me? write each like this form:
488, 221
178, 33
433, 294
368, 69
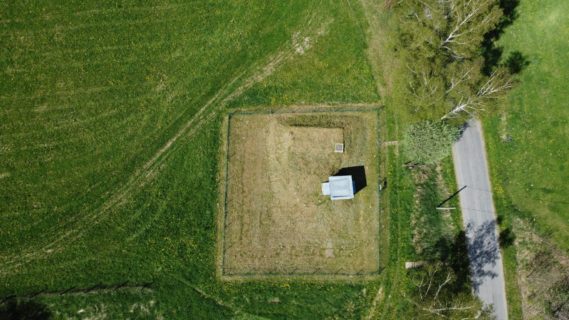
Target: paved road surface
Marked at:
479, 218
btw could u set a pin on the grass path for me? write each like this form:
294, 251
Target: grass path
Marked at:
385, 305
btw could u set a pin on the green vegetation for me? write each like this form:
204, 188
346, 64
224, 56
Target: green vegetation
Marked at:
527, 143
509, 251
414, 224
441, 287
299, 142
109, 126
24, 309
421, 233
442, 42
110, 120
544, 269
429, 142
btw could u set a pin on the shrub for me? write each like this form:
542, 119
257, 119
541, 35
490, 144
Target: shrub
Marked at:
428, 142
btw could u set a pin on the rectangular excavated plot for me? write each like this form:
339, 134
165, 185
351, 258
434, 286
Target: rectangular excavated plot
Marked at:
276, 222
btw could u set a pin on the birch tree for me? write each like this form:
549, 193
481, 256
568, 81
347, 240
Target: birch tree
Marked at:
491, 88
442, 41
435, 295
467, 21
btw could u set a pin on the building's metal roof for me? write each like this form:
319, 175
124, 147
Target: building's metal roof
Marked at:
339, 187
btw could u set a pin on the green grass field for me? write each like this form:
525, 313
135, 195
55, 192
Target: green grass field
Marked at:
110, 116
526, 144
109, 131
531, 162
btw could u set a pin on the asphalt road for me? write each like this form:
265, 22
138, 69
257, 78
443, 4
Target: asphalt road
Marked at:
479, 218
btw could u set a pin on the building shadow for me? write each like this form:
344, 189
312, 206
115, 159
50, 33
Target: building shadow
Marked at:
358, 174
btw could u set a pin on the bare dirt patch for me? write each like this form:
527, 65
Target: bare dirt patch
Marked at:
275, 221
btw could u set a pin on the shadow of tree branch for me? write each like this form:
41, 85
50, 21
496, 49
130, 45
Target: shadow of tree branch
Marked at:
483, 251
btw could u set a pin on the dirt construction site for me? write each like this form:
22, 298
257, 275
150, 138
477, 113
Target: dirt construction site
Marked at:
275, 220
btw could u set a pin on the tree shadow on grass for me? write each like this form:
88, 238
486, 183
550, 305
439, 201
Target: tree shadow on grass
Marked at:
516, 62
471, 258
24, 309
492, 54
507, 237
454, 254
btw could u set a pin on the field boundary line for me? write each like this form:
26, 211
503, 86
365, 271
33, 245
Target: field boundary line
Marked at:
223, 191
205, 295
305, 108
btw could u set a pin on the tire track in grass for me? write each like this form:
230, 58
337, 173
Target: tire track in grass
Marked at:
51, 213
149, 170
125, 118
151, 167
71, 62
66, 93
117, 198
68, 52
376, 300
94, 25
94, 12
274, 62
65, 126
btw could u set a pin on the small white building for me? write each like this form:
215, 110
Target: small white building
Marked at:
339, 188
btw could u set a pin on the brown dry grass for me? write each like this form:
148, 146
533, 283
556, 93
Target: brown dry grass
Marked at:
540, 265
276, 222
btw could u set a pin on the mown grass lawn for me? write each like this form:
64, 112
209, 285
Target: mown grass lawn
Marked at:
109, 124
528, 145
